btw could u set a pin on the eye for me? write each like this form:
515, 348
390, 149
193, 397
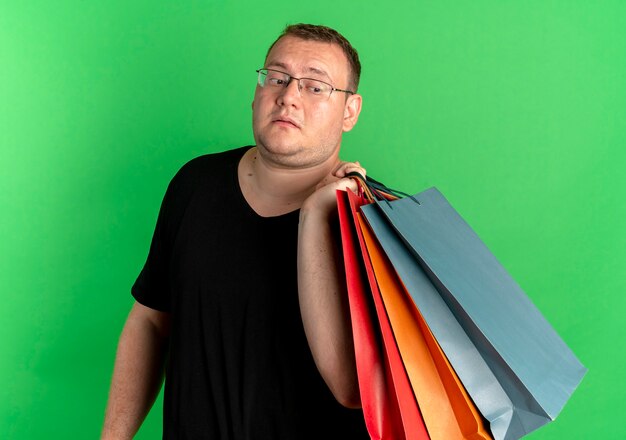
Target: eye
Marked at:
276, 79
315, 87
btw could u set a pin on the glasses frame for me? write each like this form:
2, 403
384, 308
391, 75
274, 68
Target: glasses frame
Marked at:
290, 77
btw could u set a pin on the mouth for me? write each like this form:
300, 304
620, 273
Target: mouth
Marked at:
286, 122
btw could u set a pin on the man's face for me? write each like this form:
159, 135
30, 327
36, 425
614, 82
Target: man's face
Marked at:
295, 130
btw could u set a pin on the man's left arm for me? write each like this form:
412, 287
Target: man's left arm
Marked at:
322, 290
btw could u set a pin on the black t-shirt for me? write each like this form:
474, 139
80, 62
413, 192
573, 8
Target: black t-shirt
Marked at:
239, 364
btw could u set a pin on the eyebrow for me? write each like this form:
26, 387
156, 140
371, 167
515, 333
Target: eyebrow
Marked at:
309, 69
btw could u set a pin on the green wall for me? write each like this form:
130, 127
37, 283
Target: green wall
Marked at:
513, 109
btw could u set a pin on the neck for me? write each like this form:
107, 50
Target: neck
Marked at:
271, 189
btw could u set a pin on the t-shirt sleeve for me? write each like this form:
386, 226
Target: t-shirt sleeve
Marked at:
152, 287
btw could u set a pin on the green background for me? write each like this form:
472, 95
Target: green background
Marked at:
515, 110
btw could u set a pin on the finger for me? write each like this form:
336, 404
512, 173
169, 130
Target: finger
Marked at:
356, 168
348, 184
350, 167
359, 170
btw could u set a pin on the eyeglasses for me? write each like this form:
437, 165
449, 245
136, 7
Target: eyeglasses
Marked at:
309, 87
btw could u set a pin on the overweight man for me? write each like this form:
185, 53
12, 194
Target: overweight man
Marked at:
241, 304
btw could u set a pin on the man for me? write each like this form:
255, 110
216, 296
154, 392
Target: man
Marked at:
242, 296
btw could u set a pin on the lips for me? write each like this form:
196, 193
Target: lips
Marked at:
287, 121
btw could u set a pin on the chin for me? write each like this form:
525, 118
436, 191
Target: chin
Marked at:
280, 146
282, 155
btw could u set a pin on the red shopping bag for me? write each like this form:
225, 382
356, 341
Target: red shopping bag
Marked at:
389, 405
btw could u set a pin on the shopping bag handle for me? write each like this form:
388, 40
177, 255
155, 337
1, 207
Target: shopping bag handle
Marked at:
374, 190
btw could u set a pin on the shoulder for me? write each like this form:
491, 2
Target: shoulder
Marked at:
200, 166
207, 169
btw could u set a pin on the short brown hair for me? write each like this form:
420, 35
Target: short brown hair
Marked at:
326, 35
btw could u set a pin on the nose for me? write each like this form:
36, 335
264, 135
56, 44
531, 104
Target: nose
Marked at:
291, 93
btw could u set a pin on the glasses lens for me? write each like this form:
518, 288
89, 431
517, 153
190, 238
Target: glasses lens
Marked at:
315, 88
272, 78
262, 77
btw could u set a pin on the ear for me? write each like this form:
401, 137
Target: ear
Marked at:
351, 111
